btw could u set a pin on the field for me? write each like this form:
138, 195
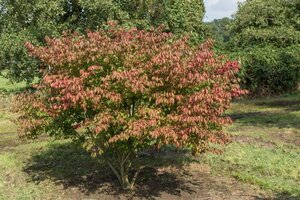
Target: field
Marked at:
262, 162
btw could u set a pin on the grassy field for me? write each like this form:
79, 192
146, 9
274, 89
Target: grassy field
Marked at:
262, 162
266, 147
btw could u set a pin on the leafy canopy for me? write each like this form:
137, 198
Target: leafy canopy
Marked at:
120, 91
219, 30
266, 35
24, 20
272, 22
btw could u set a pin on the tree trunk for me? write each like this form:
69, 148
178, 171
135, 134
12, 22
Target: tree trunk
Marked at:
122, 171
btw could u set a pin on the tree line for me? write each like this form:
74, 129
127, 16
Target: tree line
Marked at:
265, 37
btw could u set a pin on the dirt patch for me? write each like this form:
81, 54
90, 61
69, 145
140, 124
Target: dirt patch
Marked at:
194, 182
253, 140
274, 136
9, 145
288, 137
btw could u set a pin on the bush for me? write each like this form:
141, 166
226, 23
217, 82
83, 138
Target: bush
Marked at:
269, 70
120, 91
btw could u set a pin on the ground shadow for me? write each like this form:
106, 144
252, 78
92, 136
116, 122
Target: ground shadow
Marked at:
288, 105
282, 118
286, 196
72, 167
84, 178
280, 196
267, 119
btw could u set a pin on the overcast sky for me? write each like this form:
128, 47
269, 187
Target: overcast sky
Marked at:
216, 9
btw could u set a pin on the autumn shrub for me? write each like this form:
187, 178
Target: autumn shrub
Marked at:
118, 92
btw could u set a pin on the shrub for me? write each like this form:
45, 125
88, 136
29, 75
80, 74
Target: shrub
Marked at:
269, 70
119, 91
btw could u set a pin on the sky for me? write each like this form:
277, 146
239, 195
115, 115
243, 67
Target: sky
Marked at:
216, 9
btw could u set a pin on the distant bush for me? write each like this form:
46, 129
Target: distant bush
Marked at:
268, 34
269, 70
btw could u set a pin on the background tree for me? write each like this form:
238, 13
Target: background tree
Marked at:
120, 91
266, 35
219, 29
33, 20
261, 23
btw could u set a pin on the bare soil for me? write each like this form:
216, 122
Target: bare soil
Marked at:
194, 182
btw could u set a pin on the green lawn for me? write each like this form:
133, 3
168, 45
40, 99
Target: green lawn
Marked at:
266, 147
265, 152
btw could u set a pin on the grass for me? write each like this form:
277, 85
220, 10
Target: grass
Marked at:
266, 144
275, 168
265, 152
23, 174
7, 86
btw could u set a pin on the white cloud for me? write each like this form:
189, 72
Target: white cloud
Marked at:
210, 2
216, 9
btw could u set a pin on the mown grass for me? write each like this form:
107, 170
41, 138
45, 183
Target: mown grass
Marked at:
266, 144
275, 168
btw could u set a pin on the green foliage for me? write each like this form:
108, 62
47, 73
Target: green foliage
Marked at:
14, 60
185, 17
7, 87
259, 23
22, 21
270, 70
219, 30
267, 36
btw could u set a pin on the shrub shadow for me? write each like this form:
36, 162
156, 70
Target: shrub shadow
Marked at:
286, 196
267, 119
281, 196
282, 118
72, 167
288, 105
